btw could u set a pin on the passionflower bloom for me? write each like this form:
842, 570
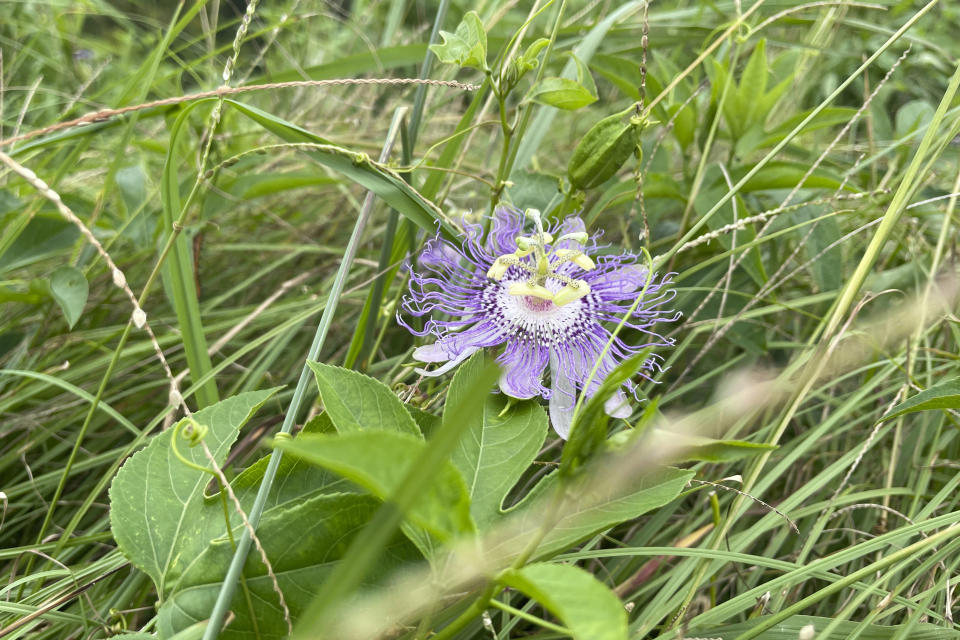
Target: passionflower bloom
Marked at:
546, 297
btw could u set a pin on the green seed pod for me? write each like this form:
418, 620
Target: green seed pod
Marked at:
604, 149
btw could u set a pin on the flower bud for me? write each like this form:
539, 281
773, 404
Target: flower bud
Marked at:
603, 150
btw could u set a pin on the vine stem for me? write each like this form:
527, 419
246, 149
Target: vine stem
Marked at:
229, 585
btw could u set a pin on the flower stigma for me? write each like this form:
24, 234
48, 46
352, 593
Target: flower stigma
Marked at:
544, 267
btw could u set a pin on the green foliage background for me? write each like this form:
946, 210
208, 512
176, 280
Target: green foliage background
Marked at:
806, 204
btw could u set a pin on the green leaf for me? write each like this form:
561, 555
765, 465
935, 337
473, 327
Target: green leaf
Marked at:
178, 270
586, 606
529, 61
157, 502
467, 47
621, 72
579, 518
529, 190
753, 86
303, 539
494, 450
141, 217
912, 116
786, 175
427, 422
193, 632
945, 395
39, 237
707, 449
828, 266
357, 402
359, 168
378, 462
69, 288
542, 120
829, 117
589, 430
562, 93
296, 477
684, 123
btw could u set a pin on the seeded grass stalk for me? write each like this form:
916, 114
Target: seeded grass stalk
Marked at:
174, 27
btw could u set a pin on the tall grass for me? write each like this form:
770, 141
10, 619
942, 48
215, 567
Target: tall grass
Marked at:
799, 174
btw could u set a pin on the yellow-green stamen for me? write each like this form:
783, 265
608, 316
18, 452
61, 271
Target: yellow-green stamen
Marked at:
545, 266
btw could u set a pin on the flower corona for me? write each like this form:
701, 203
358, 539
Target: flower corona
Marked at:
546, 297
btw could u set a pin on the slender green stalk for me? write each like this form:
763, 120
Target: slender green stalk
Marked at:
898, 556
546, 624
362, 343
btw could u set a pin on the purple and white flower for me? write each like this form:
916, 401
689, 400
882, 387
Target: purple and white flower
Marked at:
546, 300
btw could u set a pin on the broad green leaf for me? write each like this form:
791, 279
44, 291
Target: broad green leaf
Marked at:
829, 117
562, 93
467, 47
427, 422
584, 513
69, 288
529, 190
428, 475
655, 185
624, 73
141, 215
828, 266
684, 123
586, 606
378, 462
707, 449
295, 478
945, 395
193, 632
303, 540
912, 116
494, 450
357, 402
156, 501
790, 630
